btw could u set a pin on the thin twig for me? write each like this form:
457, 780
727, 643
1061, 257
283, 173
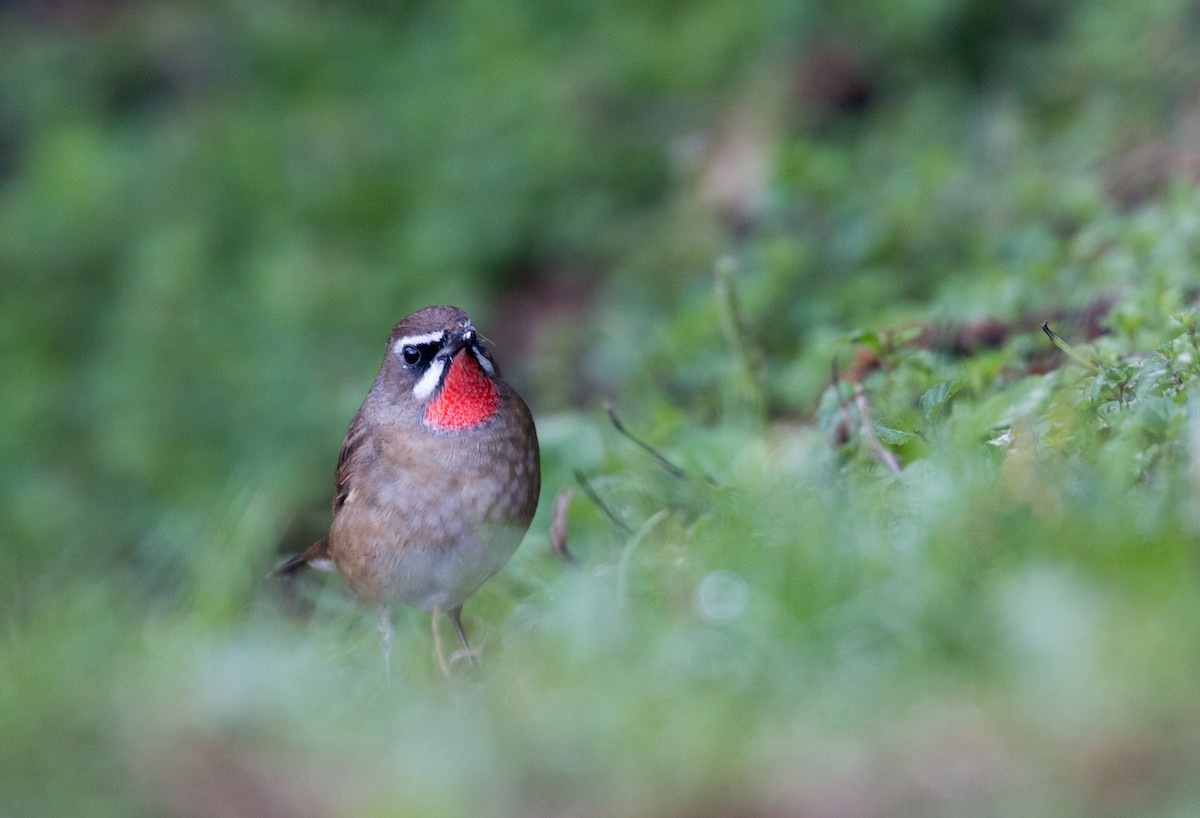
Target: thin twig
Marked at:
558, 526
595, 498
882, 453
625, 563
671, 468
737, 333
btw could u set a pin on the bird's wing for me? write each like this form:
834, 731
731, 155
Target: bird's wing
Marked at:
355, 435
317, 554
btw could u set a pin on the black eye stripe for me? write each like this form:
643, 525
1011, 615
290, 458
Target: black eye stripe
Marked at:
415, 354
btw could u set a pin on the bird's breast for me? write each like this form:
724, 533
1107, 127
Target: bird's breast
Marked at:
432, 519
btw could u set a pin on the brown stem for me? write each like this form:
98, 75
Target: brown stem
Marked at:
881, 453
558, 526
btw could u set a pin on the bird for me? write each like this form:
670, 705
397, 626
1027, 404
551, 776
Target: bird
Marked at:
437, 480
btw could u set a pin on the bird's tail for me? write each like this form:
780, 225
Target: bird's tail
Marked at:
315, 556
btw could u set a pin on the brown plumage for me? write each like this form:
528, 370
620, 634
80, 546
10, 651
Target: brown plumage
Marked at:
437, 479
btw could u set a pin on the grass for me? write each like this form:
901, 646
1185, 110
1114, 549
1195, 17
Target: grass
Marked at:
913, 558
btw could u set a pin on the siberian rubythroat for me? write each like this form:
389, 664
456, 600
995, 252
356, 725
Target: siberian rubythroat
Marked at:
437, 480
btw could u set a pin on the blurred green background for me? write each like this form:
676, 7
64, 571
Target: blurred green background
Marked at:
211, 214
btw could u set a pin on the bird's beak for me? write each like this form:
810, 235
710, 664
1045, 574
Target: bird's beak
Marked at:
458, 341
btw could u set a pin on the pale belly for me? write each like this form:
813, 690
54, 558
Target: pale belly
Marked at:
428, 576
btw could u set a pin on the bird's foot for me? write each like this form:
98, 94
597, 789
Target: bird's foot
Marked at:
386, 635
473, 656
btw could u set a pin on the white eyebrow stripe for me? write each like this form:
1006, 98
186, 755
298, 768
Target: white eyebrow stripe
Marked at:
430, 379
417, 340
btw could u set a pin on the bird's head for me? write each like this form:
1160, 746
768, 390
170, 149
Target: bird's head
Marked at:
438, 364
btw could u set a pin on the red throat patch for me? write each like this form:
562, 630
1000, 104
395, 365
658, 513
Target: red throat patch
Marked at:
468, 397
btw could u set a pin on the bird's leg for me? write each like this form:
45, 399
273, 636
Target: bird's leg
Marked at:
456, 618
438, 655
386, 633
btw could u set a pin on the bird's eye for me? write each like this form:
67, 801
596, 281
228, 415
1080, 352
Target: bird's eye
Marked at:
412, 355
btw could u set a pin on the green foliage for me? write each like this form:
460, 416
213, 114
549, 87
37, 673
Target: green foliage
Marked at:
921, 561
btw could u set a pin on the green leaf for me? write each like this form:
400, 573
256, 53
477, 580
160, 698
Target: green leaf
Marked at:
890, 436
935, 398
1069, 350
